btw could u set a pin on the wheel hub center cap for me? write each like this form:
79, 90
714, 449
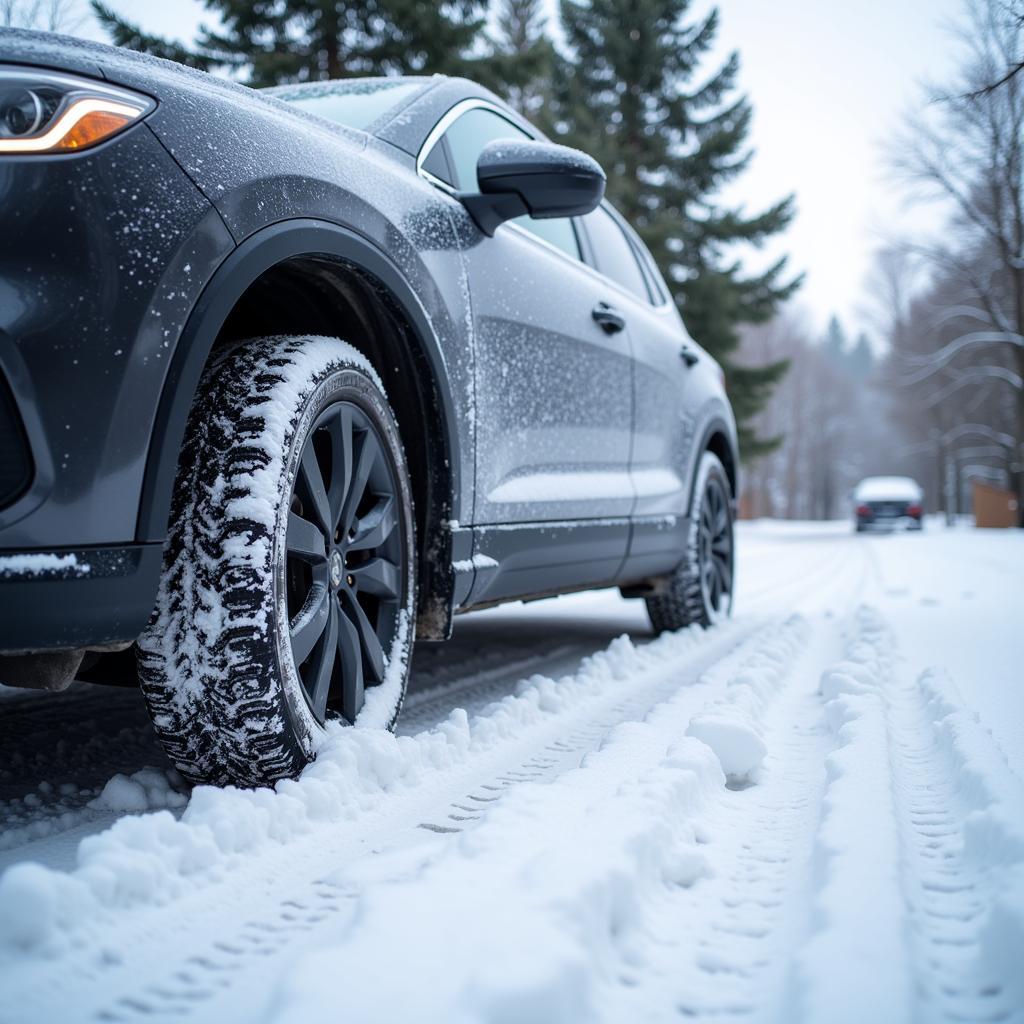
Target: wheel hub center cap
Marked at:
337, 569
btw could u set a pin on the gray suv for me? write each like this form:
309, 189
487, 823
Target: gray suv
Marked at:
290, 378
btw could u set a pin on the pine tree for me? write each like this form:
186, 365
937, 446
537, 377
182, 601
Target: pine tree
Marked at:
835, 342
522, 57
630, 93
280, 41
862, 359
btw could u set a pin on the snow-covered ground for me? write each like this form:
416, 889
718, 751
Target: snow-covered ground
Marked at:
812, 813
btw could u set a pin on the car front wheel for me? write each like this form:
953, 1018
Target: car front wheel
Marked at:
287, 595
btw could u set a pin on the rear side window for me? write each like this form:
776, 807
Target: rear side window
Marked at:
466, 138
613, 254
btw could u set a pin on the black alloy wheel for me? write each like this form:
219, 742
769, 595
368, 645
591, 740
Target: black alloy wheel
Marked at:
344, 553
700, 590
715, 548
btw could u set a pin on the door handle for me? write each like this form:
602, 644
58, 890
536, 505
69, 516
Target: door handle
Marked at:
610, 320
689, 356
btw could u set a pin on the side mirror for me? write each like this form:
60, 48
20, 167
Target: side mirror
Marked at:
540, 179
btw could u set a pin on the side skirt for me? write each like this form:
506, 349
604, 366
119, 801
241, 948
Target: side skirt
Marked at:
521, 561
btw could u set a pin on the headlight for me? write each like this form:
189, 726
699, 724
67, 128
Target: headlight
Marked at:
46, 112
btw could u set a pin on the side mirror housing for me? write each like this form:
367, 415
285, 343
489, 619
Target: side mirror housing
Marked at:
539, 179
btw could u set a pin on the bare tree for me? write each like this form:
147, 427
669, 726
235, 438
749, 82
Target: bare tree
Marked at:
833, 422
46, 15
968, 150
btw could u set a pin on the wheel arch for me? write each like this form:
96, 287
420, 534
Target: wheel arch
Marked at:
341, 261
717, 440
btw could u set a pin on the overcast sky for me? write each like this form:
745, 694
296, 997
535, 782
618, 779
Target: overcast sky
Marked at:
829, 81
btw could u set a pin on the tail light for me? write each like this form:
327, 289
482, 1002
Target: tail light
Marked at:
915, 511
47, 112
863, 510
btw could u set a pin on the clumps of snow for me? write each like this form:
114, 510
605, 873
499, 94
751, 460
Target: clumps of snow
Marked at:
478, 561
731, 726
149, 789
858, 848
42, 564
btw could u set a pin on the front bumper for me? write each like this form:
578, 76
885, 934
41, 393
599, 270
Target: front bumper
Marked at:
69, 599
103, 255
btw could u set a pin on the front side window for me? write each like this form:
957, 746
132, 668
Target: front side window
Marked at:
613, 254
466, 138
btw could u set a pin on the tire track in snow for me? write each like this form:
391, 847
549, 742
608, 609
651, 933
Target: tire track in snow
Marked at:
948, 898
754, 905
286, 914
900, 900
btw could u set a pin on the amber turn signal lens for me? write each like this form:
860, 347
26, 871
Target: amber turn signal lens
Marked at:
94, 127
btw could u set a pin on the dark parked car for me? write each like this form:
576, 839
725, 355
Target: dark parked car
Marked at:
289, 378
888, 503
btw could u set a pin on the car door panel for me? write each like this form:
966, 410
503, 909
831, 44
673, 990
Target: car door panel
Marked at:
554, 391
553, 386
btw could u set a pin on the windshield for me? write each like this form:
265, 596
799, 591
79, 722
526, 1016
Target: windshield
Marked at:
355, 104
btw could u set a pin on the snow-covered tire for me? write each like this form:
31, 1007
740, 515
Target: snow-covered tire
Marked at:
216, 662
700, 590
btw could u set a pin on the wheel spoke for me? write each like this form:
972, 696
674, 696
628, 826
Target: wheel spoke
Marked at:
304, 540
721, 522
369, 449
372, 651
341, 462
308, 626
375, 527
313, 487
377, 576
724, 574
320, 682
350, 652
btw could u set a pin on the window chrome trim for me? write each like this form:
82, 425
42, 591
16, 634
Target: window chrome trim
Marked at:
447, 120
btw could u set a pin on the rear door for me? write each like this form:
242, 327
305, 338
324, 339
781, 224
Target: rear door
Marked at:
554, 389
663, 430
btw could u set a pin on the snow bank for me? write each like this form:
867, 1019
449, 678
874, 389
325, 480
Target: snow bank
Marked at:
731, 725
855, 967
154, 858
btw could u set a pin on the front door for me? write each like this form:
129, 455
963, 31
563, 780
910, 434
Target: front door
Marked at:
553, 386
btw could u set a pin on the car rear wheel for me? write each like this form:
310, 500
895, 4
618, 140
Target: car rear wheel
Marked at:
700, 590
287, 596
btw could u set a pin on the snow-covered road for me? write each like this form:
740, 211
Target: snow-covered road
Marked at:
812, 813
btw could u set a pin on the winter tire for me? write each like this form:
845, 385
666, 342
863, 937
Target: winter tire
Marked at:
700, 590
287, 595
